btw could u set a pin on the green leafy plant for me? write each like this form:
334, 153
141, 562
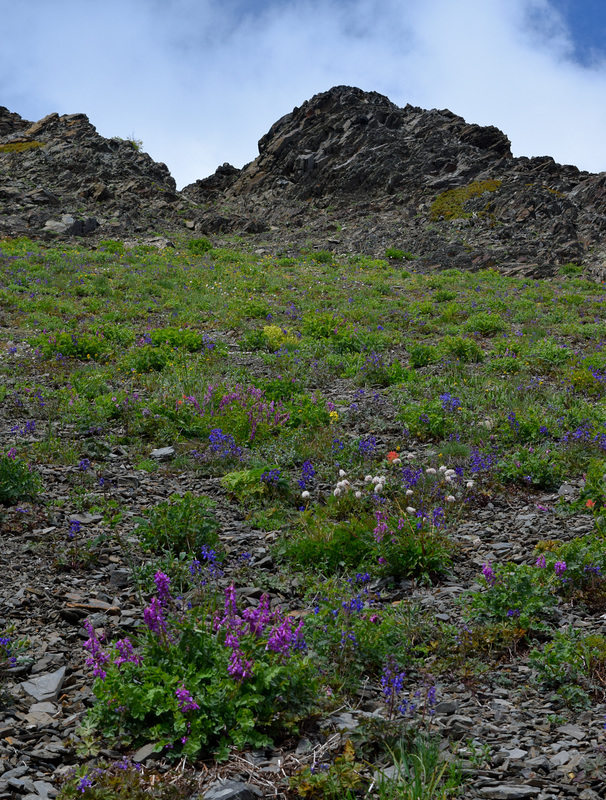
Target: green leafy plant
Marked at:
122, 780
203, 679
199, 246
18, 481
398, 255
573, 663
182, 524
331, 781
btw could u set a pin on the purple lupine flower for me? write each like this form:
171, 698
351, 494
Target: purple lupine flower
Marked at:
541, 562
258, 618
98, 657
489, 575
560, 568
238, 667
153, 616
185, 700
162, 582
84, 783
282, 638
126, 654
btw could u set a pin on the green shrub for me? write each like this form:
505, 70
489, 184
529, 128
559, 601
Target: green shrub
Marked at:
485, 324
147, 359
322, 256
540, 466
574, 664
514, 593
203, 680
465, 350
182, 524
398, 255
111, 245
177, 337
17, 480
198, 247
73, 345
420, 355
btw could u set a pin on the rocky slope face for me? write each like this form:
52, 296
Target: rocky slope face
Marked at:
359, 173
348, 171
59, 176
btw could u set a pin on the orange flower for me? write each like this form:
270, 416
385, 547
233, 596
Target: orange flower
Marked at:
590, 503
392, 455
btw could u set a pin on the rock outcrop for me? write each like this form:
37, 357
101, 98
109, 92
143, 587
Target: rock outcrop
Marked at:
59, 176
348, 171
364, 175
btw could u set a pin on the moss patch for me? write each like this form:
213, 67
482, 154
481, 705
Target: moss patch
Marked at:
450, 204
20, 147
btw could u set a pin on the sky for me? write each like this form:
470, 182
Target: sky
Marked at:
200, 81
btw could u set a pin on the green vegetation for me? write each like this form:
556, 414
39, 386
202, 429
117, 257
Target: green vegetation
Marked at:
20, 147
352, 417
451, 203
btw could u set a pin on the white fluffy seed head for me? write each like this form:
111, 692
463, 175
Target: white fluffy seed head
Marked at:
342, 473
450, 499
368, 479
443, 468
378, 488
337, 492
430, 471
305, 495
449, 473
358, 495
409, 493
411, 510
470, 484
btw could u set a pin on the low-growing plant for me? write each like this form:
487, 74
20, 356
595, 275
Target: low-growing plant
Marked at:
72, 345
199, 246
122, 780
420, 355
398, 255
203, 679
463, 349
18, 481
182, 524
514, 593
574, 664
257, 483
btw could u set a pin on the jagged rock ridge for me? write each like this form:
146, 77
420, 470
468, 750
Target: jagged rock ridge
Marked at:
348, 171
60, 168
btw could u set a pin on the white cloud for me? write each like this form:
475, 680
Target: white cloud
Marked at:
199, 81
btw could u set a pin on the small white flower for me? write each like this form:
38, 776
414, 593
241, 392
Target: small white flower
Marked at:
430, 471
449, 473
470, 484
368, 479
395, 461
409, 493
450, 499
358, 495
377, 479
305, 495
342, 473
447, 479
443, 468
411, 510
337, 492
378, 488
